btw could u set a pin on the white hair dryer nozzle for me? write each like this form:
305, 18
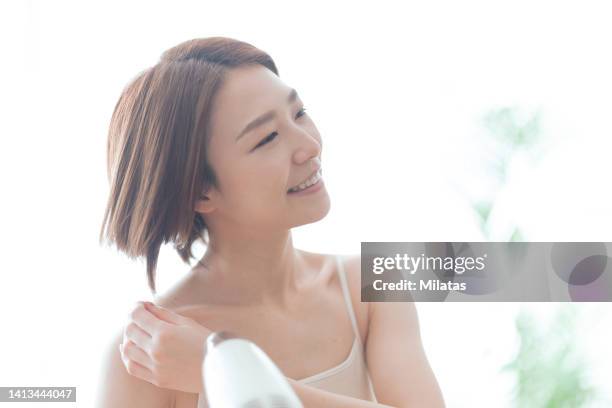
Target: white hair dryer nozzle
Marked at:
238, 374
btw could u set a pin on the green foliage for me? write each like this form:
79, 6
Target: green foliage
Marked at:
548, 367
517, 236
506, 126
510, 135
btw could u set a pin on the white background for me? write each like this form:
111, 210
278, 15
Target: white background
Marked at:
397, 90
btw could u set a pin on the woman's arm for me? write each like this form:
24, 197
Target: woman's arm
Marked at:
398, 367
119, 389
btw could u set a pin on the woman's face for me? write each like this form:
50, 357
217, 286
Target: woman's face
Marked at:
257, 164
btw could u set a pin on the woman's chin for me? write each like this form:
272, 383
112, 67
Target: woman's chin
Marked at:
315, 212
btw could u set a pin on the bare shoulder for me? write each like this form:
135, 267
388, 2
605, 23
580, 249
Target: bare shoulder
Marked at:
177, 295
351, 265
117, 388
190, 297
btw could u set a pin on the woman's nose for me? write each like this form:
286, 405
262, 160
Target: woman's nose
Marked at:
308, 145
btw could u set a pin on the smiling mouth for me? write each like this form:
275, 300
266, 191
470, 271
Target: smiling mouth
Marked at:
313, 179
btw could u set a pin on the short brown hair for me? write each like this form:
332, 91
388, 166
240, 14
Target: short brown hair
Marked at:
157, 141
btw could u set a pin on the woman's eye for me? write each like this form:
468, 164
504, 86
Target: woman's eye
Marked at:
272, 135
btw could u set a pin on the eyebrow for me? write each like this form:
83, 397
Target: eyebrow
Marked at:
266, 117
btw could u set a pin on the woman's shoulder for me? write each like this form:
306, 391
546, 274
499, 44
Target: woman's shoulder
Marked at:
351, 265
119, 388
187, 293
349, 262
195, 299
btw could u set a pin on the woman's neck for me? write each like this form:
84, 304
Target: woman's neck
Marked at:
262, 271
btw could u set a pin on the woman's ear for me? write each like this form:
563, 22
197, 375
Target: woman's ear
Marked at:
204, 204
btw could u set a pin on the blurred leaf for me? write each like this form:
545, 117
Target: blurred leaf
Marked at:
509, 134
506, 127
549, 370
517, 236
483, 209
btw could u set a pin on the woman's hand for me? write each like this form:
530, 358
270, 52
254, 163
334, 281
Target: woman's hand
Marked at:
164, 348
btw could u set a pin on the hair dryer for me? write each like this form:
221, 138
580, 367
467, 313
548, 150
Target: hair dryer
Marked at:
238, 374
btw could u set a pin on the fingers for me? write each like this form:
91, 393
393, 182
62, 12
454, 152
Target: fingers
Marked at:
163, 314
146, 320
135, 353
138, 336
136, 369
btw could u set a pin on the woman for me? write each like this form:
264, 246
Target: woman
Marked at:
210, 144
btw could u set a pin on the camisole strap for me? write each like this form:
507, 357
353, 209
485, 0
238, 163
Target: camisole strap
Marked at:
347, 297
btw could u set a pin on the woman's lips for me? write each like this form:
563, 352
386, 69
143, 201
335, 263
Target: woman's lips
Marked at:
306, 179
308, 190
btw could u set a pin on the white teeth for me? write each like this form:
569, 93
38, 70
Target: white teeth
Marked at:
308, 182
